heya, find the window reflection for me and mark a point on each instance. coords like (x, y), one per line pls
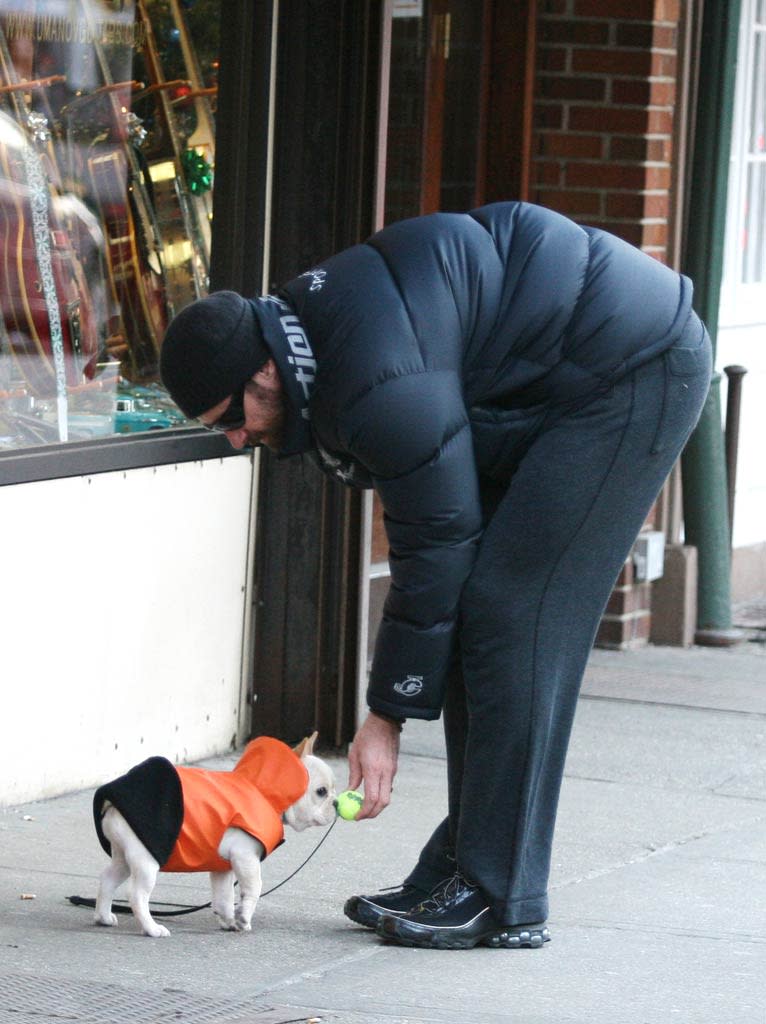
(107, 150)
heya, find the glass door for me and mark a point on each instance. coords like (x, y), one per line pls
(437, 89)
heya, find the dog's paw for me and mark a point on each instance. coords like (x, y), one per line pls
(106, 920)
(157, 931)
(242, 925)
(228, 924)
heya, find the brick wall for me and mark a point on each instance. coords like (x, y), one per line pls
(603, 121)
(602, 151)
(628, 617)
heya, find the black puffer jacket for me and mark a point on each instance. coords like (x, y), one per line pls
(427, 357)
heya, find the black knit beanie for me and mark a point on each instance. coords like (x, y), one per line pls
(210, 349)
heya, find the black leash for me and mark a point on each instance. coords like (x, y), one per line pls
(122, 906)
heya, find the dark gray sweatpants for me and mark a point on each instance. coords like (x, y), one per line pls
(555, 541)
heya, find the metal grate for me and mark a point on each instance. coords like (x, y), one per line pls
(28, 999)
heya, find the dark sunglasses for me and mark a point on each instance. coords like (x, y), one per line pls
(234, 415)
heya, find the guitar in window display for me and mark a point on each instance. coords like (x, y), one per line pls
(109, 139)
(50, 330)
(120, 193)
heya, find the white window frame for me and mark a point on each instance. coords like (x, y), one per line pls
(743, 304)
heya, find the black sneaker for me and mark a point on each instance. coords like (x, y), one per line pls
(457, 916)
(368, 910)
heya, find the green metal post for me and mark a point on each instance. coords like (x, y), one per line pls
(703, 465)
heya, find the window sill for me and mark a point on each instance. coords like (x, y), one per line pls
(110, 454)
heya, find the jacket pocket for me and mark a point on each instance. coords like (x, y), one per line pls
(501, 437)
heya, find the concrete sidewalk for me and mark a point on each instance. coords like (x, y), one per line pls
(658, 898)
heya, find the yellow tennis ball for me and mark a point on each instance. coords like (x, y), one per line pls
(349, 804)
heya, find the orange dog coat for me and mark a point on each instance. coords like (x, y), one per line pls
(181, 814)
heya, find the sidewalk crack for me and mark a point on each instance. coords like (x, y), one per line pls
(651, 851)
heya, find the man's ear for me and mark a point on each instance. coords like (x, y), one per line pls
(306, 746)
(267, 373)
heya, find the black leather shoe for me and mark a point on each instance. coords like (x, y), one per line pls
(368, 910)
(457, 916)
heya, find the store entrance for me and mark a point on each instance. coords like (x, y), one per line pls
(459, 116)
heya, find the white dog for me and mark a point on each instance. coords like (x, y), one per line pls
(159, 817)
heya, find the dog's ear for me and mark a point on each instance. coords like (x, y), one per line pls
(306, 746)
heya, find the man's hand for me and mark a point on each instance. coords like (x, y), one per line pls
(372, 759)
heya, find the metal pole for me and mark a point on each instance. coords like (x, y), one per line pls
(733, 406)
(706, 523)
(706, 520)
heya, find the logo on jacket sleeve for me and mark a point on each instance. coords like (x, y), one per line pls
(337, 467)
(317, 278)
(409, 687)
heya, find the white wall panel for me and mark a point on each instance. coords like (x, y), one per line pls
(122, 614)
(746, 346)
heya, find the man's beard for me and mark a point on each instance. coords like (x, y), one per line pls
(272, 406)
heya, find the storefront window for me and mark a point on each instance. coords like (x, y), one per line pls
(107, 151)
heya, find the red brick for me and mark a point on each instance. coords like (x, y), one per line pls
(660, 150)
(611, 61)
(625, 600)
(574, 32)
(624, 120)
(553, 7)
(547, 172)
(631, 90)
(643, 93)
(657, 206)
(667, 10)
(655, 235)
(635, 34)
(548, 115)
(664, 65)
(663, 94)
(665, 37)
(623, 632)
(552, 58)
(648, 37)
(640, 10)
(606, 175)
(658, 177)
(659, 122)
(571, 202)
(627, 147)
(568, 87)
(618, 599)
(561, 144)
(636, 205)
(625, 204)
